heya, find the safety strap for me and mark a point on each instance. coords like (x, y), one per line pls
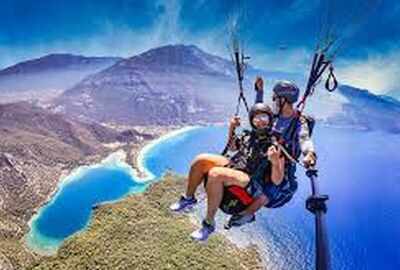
(287, 154)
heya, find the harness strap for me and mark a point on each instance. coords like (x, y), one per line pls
(287, 154)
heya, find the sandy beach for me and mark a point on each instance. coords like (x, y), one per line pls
(143, 174)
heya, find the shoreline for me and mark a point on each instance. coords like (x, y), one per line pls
(143, 174)
(119, 158)
(137, 240)
(139, 173)
(113, 159)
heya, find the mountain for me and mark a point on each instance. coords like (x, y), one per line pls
(394, 94)
(181, 84)
(363, 109)
(166, 85)
(37, 147)
(172, 84)
(48, 75)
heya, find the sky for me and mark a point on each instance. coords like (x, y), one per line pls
(278, 35)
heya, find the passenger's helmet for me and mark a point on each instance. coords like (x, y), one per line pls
(257, 109)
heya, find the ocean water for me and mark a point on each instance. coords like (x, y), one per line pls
(359, 170)
(176, 153)
(70, 209)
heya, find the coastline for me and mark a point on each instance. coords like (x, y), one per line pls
(118, 239)
(143, 174)
(119, 158)
(132, 160)
(113, 159)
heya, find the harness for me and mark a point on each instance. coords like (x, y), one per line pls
(235, 199)
(250, 158)
(250, 152)
(291, 147)
(291, 133)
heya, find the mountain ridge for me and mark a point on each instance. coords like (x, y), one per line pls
(47, 76)
(54, 60)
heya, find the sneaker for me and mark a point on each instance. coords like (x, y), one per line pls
(183, 204)
(238, 220)
(202, 234)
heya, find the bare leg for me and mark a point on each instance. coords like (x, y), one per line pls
(215, 190)
(200, 166)
(218, 177)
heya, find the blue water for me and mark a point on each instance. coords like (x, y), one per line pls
(359, 170)
(176, 153)
(70, 209)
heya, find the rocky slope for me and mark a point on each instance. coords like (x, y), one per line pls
(140, 233)
(179, 84)
(36, 148)
(363, 109)
(173, 84)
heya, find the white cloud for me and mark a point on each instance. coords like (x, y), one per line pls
(121, 40)
(168, 28)
(377, 73)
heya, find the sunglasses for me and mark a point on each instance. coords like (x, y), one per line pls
(262, 117)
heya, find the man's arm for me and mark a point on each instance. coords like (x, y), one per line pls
(306, 144)
(259, 87)
(277, 165)
(234, 123)
(277, 172)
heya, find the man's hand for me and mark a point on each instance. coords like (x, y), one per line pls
(310, 159)
(234, 123)
(259, 84)
(274, 155)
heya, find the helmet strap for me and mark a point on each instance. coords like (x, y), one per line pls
(282, 102)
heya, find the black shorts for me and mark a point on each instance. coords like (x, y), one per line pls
(277, 195)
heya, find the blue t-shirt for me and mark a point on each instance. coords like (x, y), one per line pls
(282, 125)
(302, 141)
